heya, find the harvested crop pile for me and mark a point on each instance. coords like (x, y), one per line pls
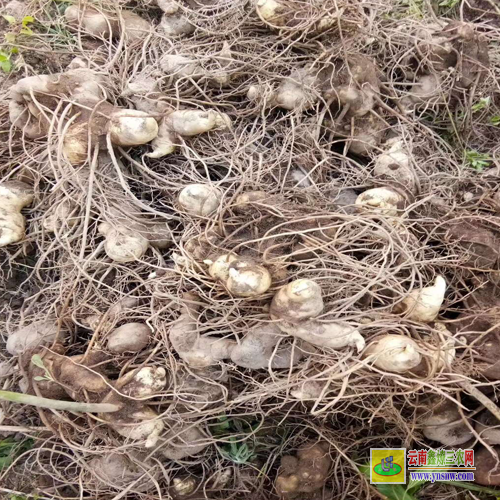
(243, 242)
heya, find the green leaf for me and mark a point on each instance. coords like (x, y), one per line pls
(6, 66)
(221, 427)
(389, 491)
(14, 50)
(482, 104)
(10, 449)
(476, 160)
(36, 359)
(26, 31)
(495, 120)
(27, 19)
(40, 379)
(10, 19)
(3, 57)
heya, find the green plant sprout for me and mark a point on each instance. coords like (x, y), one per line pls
(483, 103)
(237, 452)
(495, 120)
(56, 404)
(477, 161)
(36, 359)
(10, 449)
(449, 3)
(19, 28)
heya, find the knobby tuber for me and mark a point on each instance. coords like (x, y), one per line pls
(200, 199)
(131, 337)
(14, 196)
(102, 25)
(120, 470)
(394, 165)
(127, 240)
(174, 22)
(183, 440)
(280, 14)
(295, 305)
(60, 216)
(423, 304)
(305, 473)
(142, 382)
(33, 335)
(135, 420)
(242, 276)
(381, 201)
(394, 353)
(185, 123)
(445, 424)
(186, 66)
(196, 350)
(32, 98)
(258, 350)
(299, 91)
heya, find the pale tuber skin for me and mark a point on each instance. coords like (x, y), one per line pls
(299, 300)
(423, 304)
(174, 22)
(39, 333)
(119, 470)
(195, 350)
(135, 420)
(444, 424)
(269, 11)
(426, 91)
(185, 123)
(219, 268)
(183, 440)
(394, 165)
(280, 14)
(296, 92)
(241, 276)
(130, 127)
(127, 240)
(123, 244)
(131, 337)
(184, 66)
(258, 350)
(380, 201)
(295, 305)
(94, 22)
(14, 196)
(200, 199)
(30, 95)
(101, 25)
(143, 382)
(305, 473)
(96, 117)
(60, 217)
(394, 353)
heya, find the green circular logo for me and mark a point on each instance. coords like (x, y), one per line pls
(396, 469)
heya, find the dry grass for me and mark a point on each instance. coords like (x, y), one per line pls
(364, 264)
